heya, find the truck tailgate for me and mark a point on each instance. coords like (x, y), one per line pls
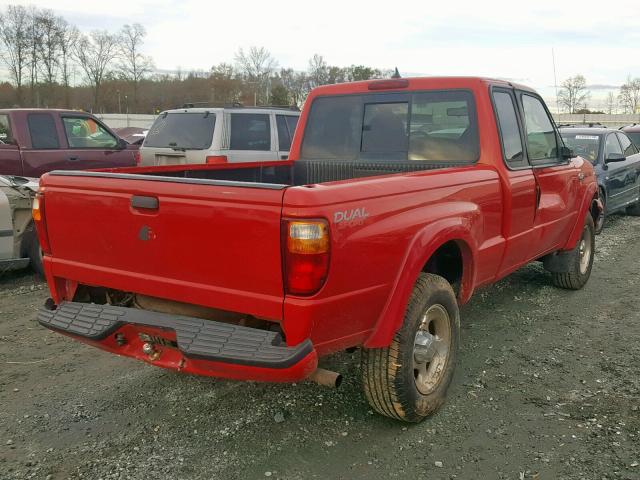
(207, 242)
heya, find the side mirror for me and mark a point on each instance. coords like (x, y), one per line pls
(566, 152)
(615, 157)
(122, 144)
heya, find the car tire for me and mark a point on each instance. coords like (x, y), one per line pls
(599, 224)
(408, 380)
(35, 257)
(581, 261)
(634, 209)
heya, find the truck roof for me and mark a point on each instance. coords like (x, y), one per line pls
(60, 110)
(416, 83)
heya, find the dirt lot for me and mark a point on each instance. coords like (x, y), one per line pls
(547, 386)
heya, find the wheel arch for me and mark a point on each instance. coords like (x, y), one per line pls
(447, 249)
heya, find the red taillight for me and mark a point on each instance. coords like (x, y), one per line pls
(306, 249)
(37, 211)
(388, 84)
(137, 157)
(216, 159)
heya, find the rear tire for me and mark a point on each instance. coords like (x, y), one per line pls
(634, 209)
(408, 380)
(581, 262)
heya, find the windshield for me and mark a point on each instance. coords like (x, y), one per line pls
(188, 131)
(635, 138)
(587, 146)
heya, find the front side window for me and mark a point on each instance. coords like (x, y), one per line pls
(42, 129)
(612, 146)
(635, 138)
(83, 132)
(587, 146)
(438, 126)
(5, 130)
(627, 147)
(509, 129)
(250, 131)
(541, 137)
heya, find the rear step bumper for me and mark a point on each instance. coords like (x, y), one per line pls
(188, 344)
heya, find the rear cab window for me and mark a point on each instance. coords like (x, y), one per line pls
(43, 132)
(250, 131)
(177, 130)
(5, 130)
(431, 127)
(509, 129)
(85, 132)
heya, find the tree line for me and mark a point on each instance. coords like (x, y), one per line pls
(50, 63)
(574, 95)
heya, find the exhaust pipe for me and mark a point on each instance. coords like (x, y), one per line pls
(326, 378)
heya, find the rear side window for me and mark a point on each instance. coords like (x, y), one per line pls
(5, 130)
(612, 145)
(189, 131)
(627, 147)
(286, 127)
(635, 138)
(542, 143)
(250, 131)
(83, 132)
(509, 129)
(42, 129)
(438, 126)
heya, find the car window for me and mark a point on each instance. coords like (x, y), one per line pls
(509, 129)
(286, 125)
(5, 130)
(628, 148)
(189, 131)
(587, 146)
(542, 143)
(250, 131)
(612, 145)
(436, 126)
(42, 129)
(635, 138)
(384, 128)
(84, 132)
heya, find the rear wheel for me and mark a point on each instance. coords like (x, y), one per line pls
(581, 260)
(408, 380)
(634, 209)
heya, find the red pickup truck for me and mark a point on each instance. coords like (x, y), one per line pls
(34, 141)
(401, 198)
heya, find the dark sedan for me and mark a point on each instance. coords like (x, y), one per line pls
(617, 164)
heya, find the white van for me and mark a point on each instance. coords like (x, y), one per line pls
(219, 135)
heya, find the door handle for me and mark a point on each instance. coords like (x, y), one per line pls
(73, 159)
(284, 157)
(147, 203)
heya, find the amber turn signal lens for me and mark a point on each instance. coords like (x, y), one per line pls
(35, 209)
(308, 237)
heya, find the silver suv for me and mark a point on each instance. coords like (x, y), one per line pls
(219, 135)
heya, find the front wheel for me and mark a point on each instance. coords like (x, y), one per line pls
(581, 260)
(408, 380)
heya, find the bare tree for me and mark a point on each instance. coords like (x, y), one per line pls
(611, 103)
(629, 97)
(35, 35)
(318, 71)
(69, 35)
(14, 37)
(573, 93)
(95, 53)
(134, 65)
(49, 45)
(257, 65)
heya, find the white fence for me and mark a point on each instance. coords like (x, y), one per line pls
(117, 120)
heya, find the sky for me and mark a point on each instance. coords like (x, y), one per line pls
(492, 38)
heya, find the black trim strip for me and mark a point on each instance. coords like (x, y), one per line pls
(153, 178)
(6, 233)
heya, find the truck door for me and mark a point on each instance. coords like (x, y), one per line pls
(91, 145)
(10, 163)
(251, 138)
(44, 152)
(519, 203)
(558, 179)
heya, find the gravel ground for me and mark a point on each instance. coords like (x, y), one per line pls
(547, 387)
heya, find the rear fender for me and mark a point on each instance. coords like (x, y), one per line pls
(423, 246)
(591, 194)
